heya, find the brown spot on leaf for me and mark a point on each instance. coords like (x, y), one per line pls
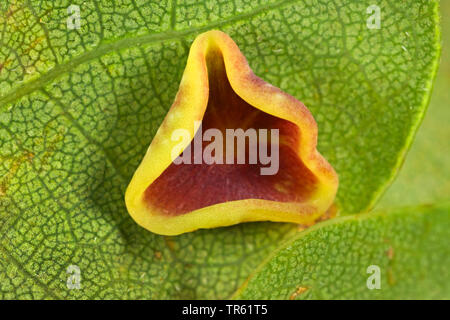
(5, 64)
(390, 253)
(298, 292)
(33, 44)
(9, 13)
(5, 181)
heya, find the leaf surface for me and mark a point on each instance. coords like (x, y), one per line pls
(78, 108)
(335, 259)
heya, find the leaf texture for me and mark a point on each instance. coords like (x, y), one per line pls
(334, 260)
(78, 107)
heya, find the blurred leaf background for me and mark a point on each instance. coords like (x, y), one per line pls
(425, 175)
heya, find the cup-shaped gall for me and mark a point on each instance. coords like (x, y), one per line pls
(231, 149)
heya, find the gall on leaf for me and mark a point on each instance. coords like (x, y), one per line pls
(178, 189)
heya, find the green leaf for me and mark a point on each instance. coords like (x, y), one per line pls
(425, 176)
(78, 108)
(331, 259)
